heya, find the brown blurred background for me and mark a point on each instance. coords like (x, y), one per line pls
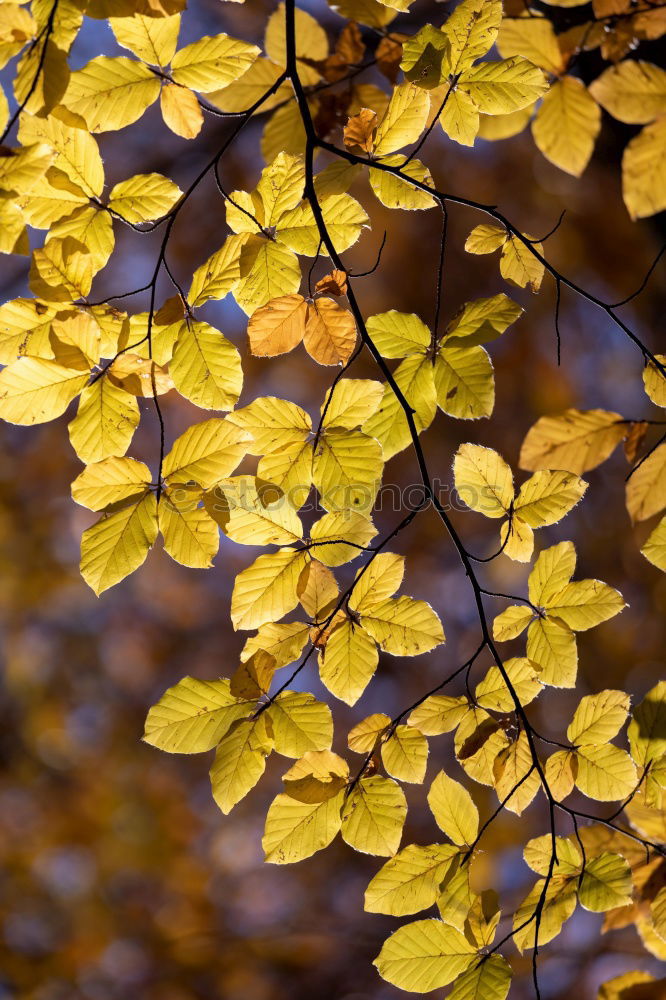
(120, 878)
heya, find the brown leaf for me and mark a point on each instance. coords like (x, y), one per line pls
(634, 440)
(360, 130)
(334, 283)
(474, 742)
(350, 44)
(330, 332)
(389, 55)
(277, 327)
(253, 678)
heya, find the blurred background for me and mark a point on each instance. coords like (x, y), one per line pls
(119, 876)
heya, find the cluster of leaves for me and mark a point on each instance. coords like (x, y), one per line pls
(60, 345)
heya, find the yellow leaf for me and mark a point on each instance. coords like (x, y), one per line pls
(489, 980)
(266, 590)
(93, 228)
(520, 543)
(206, 452)
(290, 469)
(633, 91)
(339, 535)
(283, 642)
(274, 424)
(424, 956)
(438, 714)
(606, 883)
(415, 379)
(599, 717)
(511, 770)
(646, 489)
(561, 769)
(317, 590)
(190, 534)
(622, 987)
(41, 79)
(212, 62)
(348, 662)
(409, 881)
(605, 773)
(311, 41)
(346, 470)
(343, 217)
(583, 604)
(350, 402)
(369, 12)
(110, 94)
(118, 544)
(34, 390)
(654, 381)
(566, 125)
(206, 367)
(105, 421)
(280, 188)
(494, 127)
(20, 168)
(277, 327)
(219, 275)
(144, 197)
(61, 271)
(647, 729)
(102, 484)
(576, 440)
(644, 171)
(454, 810)
(193, 715)
(455, 898)
(471, 29)
(478, 741)
(518, 264)
(250, 87)
(510, 623)
(317, 776)
(546, 497)
(395, 192)
(538, 854)
(493, 694)
(498, 88)
(560, 903)
(365, 734)
(284, 131)
(459, 117)
(403, 626)
(425, 57)
(552, 645)
(373, 816)
(658, 911)
(464, 382)
(405, 754)
(397, 335)
(300, 723)
(534, 38)
(240, 760)
(267, 270)
(484, 481)
(481, 321)
(404, 120)
(152, 39)
(485, 238)
(297, 830)
(181, 111)
(552, 571)
(330, 332)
